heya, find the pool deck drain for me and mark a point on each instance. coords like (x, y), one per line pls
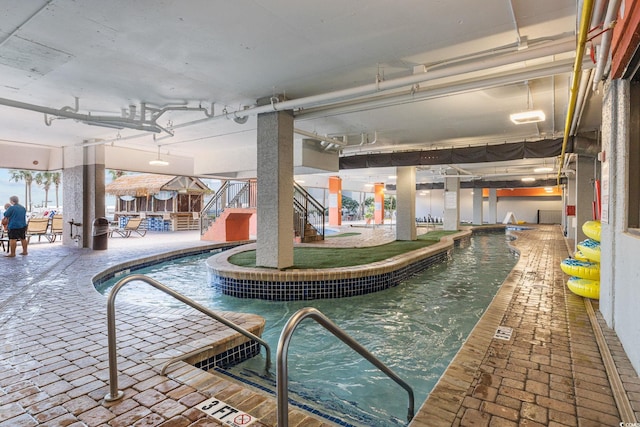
(54, 370)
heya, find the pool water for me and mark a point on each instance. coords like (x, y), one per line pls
(415, 328)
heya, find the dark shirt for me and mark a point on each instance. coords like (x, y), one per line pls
(17, 215)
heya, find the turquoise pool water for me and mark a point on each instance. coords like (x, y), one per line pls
(415, 328)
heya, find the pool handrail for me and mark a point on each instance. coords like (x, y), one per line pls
(114, 393)
(282, 380)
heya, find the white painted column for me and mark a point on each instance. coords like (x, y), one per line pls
(477, 206)
(585, 176)
(275, 190)
(406, 203)
(451, 219)
(493, 206)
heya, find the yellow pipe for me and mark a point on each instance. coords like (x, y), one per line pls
(585, 19)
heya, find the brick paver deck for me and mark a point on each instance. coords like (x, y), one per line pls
(54, 370)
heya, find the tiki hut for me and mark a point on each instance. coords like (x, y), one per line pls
(167, 202)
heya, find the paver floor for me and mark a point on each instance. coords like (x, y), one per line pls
(54, 370)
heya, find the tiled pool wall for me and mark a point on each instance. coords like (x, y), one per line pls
(130, 266)
(230, 357)
(303, 289)
(321, 289)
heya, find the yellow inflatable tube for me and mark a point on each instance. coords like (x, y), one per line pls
(584, 288)
(590, 249)
(582, 269)
(592, 230)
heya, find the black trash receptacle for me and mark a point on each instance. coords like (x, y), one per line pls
(100, 234)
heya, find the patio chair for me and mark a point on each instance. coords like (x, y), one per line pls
(56, 228)
(37, 227)
(133, 225)
(4, 238)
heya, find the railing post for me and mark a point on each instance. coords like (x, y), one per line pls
(282, 374)
(114, 393)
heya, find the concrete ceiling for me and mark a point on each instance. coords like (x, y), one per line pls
(411, 75)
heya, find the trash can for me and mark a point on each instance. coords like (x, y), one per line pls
(100, 234)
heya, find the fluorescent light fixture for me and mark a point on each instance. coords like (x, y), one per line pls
(530, 116)
(158, 161)
(548, 189)
(528, 179)
(542, 170)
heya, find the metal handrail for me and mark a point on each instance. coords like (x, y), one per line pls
(282, 380)
(114, 393)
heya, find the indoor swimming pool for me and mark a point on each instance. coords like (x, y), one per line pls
(415, 328)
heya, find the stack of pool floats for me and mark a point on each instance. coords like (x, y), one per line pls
(584, 267)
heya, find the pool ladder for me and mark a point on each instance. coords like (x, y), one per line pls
(114, 393)
(282, 381)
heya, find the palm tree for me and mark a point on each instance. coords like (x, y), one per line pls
(115, 174)
(44, 179)
(27, 177)
(56, 179)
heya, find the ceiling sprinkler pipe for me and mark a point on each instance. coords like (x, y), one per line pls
(605, 44)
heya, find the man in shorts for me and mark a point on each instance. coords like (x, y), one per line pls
(17, 225)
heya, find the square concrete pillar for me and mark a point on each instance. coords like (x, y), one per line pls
(477, 206)
(493, 206)
(275, 190)
(406, 203)
(451, 219)
(83, 191)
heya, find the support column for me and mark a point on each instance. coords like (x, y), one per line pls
(335, 200)
(477, 205)
(378, 203)
(493, 206)
(585, 176)
(274, 245)
(570, 212)
(451, 219)
(83, 192)
(406, 203)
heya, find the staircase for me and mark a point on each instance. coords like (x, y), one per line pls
(230, 214)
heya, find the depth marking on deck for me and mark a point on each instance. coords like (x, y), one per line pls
(503, 333)
(226, 414)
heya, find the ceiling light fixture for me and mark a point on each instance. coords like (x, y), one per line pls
(543, 169)
(528, 179)
(158, 161)
(529, 116)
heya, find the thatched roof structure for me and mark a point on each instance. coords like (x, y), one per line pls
(142, 185)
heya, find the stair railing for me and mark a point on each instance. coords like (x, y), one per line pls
(114, 393)
(230, 194)
(307, 210)
(282, 380)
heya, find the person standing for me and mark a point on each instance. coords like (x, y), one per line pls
(17, 225)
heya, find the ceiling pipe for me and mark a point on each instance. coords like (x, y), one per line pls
(587, 8)
(107, 121)
(319, 137)
(585, 81)
(421, 94)
(328, 99)
(547, 49)
(605, 44)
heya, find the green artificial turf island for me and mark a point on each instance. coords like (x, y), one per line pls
(314, 257)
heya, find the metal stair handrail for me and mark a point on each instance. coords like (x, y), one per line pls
(307, 211)
(114, 393)
(282, 380)
(230, 194)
